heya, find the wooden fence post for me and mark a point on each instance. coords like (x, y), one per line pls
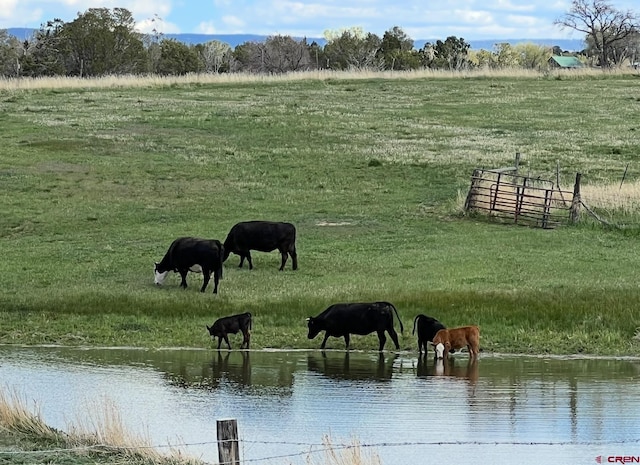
(228, 451)
(546, 210)
(575, 203)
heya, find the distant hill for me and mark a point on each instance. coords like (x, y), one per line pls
(232, 39)
(571, 45)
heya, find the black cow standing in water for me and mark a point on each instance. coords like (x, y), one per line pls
(344, 319)
(263, 236)
(192, 254)
(231, 325)
(427, 329)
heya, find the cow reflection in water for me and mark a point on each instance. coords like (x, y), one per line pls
(260, 373)
(210, 375)
(349, 367)
(238, 371)
(467, 369)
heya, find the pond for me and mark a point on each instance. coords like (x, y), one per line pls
(405, 409)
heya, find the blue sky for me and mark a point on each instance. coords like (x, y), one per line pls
(420, 19)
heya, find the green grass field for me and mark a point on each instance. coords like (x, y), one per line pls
(96, 181)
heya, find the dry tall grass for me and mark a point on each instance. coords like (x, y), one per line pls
(63, 82)
(103, 427)
(102, 430)
(16, 416)
(345, 454)
(621, 198)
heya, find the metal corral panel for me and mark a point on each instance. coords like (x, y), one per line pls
(520, 199)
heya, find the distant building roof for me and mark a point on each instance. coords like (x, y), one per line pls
(565, 62)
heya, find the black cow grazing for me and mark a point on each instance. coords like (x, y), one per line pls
(341, 320)
(427, 329)
(231, 325)
(192, 254)
(263, 236)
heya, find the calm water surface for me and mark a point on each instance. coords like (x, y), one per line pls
(500, 410)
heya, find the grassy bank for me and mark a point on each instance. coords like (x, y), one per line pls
(98, 180)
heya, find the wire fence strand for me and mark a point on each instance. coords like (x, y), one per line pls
(314, 447)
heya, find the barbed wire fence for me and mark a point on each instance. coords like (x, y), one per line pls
(310, 448)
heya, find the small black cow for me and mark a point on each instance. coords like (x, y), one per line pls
(427, 329)
(343, 319)
(231, 325)
(263, 236)
(192, 254)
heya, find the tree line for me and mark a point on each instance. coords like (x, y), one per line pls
(104, 41)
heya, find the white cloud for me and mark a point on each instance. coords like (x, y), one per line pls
(235, 24)
(7, 8)
(207, 27)
(490, 32)
(12, 15)
(507, 5)
(148, 26)
(522, 21)
(477, 18)
(161, 8)
(302, 18)
(156, 22)
(321, 10)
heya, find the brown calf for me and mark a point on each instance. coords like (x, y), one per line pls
(457, 338)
